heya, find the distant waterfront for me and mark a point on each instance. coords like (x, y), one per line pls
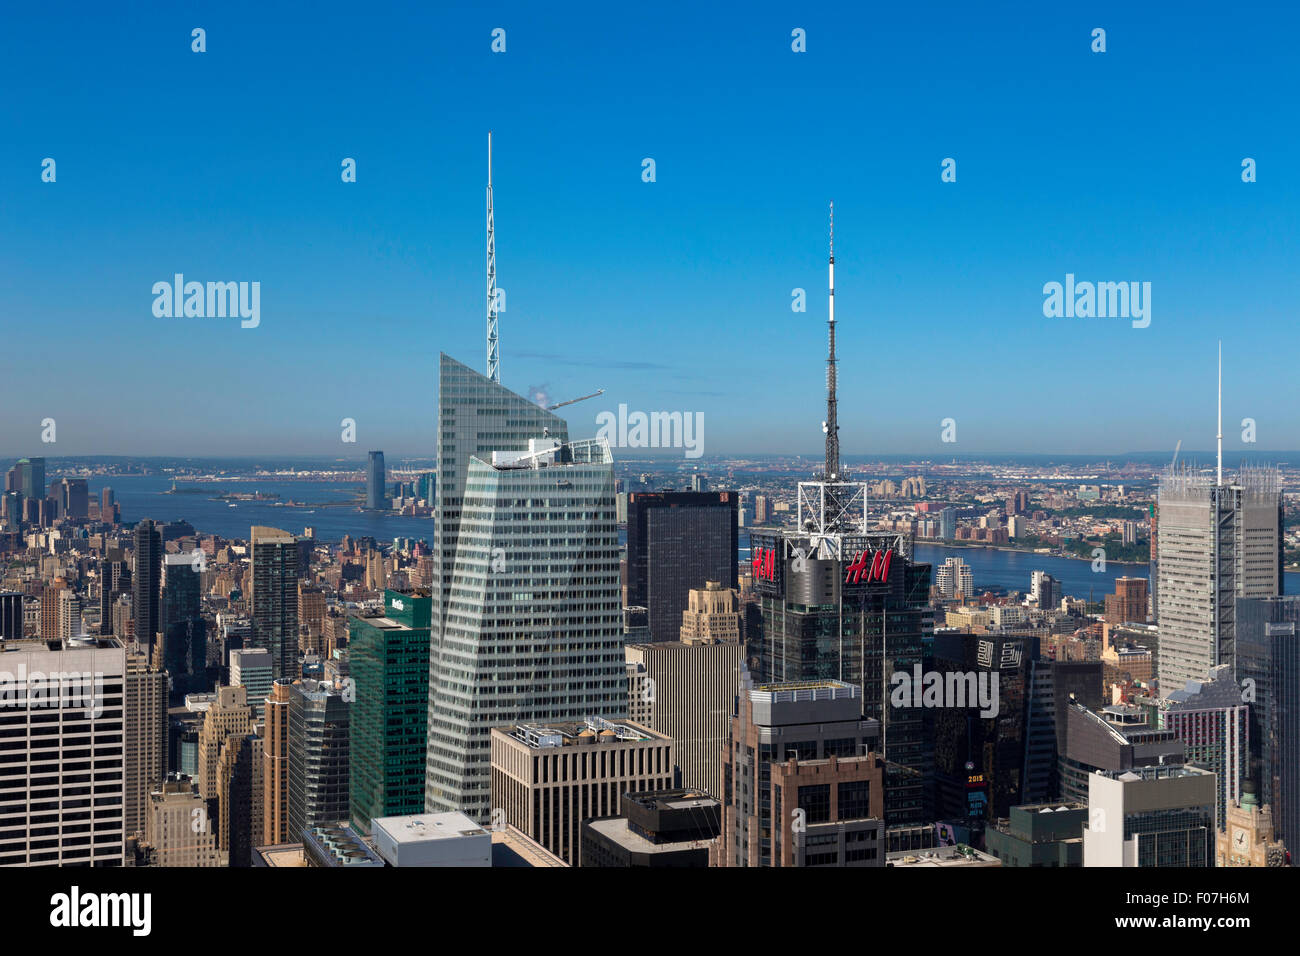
(999, 570)
(146, 497)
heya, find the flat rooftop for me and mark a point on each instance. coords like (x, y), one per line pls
(423, 827)
(594, 730)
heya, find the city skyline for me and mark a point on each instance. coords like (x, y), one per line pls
(595, 260)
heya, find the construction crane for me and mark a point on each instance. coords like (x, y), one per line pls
(599, 391)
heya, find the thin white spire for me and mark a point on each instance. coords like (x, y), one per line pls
(493, 355)
(1220, 472)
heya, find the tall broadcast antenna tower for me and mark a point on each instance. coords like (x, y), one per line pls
(493, 357)
(832, 506)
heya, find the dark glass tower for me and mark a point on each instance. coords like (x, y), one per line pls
(275, 598)
(319, 756)
(376, 474)
(1268, 673)
(389, 661)
(146, 581)
(676, 541)
(858, 619)
(185, 646)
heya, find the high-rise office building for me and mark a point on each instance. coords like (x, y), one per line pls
(229, 715)
(1114, 740)
(979, 742)
(852, 608)
(1218, 542)
(1150, 816)
(145, 729)
(107, 505)
(1052, 686)
(275, 765)
(1211, 719)
(239, 785)
(548, 778)
(1268, 673)
(178, 828)
(274, 602)
(319, 747)
(11, 615)
(114, 581)
(73, 497)
(948, 523)
(676, 541)
(180, 621)
(61, 808)
(376, 478)
(146, 582)
(803, 783)
(388, 659)
(689, 693)
(531, 627)
(252, 669)
(1129, 602)
(1045, 590)
(954, 578)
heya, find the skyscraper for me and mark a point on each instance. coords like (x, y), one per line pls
(275, 597)
(319, 748)
(954, 578)
(389, 662)
(376, 476)
(11, 615)
(1150, 816)
(690, 686)
(843, 603)
(803, 779)
(1217, 543)
(56, 783)
(1211, 719)
(114, 581)
(677, 541)
(476, 416)
(145, 719)
(532, 630)
(146, 582)
(1268, 673)
(185, 645)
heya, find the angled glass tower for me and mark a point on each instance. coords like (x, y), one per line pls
(527, 621)
(532, 623)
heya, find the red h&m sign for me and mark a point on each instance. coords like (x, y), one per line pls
(765, 563)
(869, 566)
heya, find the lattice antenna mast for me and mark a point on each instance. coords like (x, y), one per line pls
(493, 356)
(831, 426)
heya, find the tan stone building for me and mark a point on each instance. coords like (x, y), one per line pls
(548, 778)
(710, 616)
(275, 765)
(1248, 838)
(229, 715)
(178, 828)
(145, 738)
(687, 691)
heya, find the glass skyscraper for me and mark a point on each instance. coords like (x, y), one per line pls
(1216, 543)
(376, 476)
(389, 663)
(526, 605)
(275, 598)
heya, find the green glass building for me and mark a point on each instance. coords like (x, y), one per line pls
(389, 662)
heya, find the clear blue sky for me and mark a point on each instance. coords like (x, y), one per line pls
(673, 295)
